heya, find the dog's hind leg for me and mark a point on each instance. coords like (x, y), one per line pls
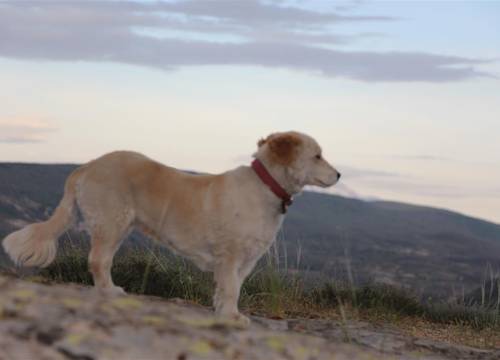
(104, 244)
(108, 226)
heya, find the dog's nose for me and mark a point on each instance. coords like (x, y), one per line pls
(338, 175)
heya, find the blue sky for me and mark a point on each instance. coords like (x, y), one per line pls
(403, 96)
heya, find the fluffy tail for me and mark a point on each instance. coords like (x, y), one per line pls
(36, 244)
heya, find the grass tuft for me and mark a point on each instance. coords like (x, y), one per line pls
(269, 291)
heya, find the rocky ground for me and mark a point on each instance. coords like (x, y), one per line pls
(70, 322)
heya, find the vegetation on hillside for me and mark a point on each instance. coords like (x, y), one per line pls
(277, 293)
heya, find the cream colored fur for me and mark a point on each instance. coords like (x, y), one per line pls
(223, 223)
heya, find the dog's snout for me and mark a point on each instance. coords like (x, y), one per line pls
(338, 176)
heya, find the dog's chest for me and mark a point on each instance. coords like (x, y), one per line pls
(258, 235)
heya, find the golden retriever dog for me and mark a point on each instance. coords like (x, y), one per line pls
(223, 223)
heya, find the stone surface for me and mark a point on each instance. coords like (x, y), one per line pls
(71, 322)
(384, 340)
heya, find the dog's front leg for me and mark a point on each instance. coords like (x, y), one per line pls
(227, 293)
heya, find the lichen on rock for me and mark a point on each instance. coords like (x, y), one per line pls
(74, 322)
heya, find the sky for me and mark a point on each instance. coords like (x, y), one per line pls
(403, 96)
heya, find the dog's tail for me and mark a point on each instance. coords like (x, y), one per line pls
(36, 244)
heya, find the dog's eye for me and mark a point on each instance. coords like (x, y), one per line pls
(318, 157)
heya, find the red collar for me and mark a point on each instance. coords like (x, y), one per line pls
(263, 174)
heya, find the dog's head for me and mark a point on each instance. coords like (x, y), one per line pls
(300, 156)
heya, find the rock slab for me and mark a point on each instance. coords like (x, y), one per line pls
(73, 322)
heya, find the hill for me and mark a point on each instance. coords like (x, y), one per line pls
(434, 252)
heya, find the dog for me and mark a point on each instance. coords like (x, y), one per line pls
(223, 223)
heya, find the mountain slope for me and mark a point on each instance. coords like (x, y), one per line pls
(430, 250)
(433, 251)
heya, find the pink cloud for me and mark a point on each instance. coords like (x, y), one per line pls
(24, 130)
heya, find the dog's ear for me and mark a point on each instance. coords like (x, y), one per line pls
(284, 147)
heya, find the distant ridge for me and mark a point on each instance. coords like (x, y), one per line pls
(435, 252)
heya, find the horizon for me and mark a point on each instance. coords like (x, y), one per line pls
(404, 98)
(310, 189)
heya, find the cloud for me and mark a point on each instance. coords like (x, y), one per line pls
(341, 189)
(442, 159)
(412, 157)
(425, 157)
(354, 178)
(422, 157)
(435, 190)
(351, 176)
(18, 131)
(410, 186)
(349, 172)
(169, 35)
(260, 13)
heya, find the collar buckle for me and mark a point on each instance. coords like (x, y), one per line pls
(285, 204)
(274, 186)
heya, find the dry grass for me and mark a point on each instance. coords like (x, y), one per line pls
(272, 293)
(486, 338)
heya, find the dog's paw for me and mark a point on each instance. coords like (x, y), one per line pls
(237, 320)
(111, 291)
(241, 319)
